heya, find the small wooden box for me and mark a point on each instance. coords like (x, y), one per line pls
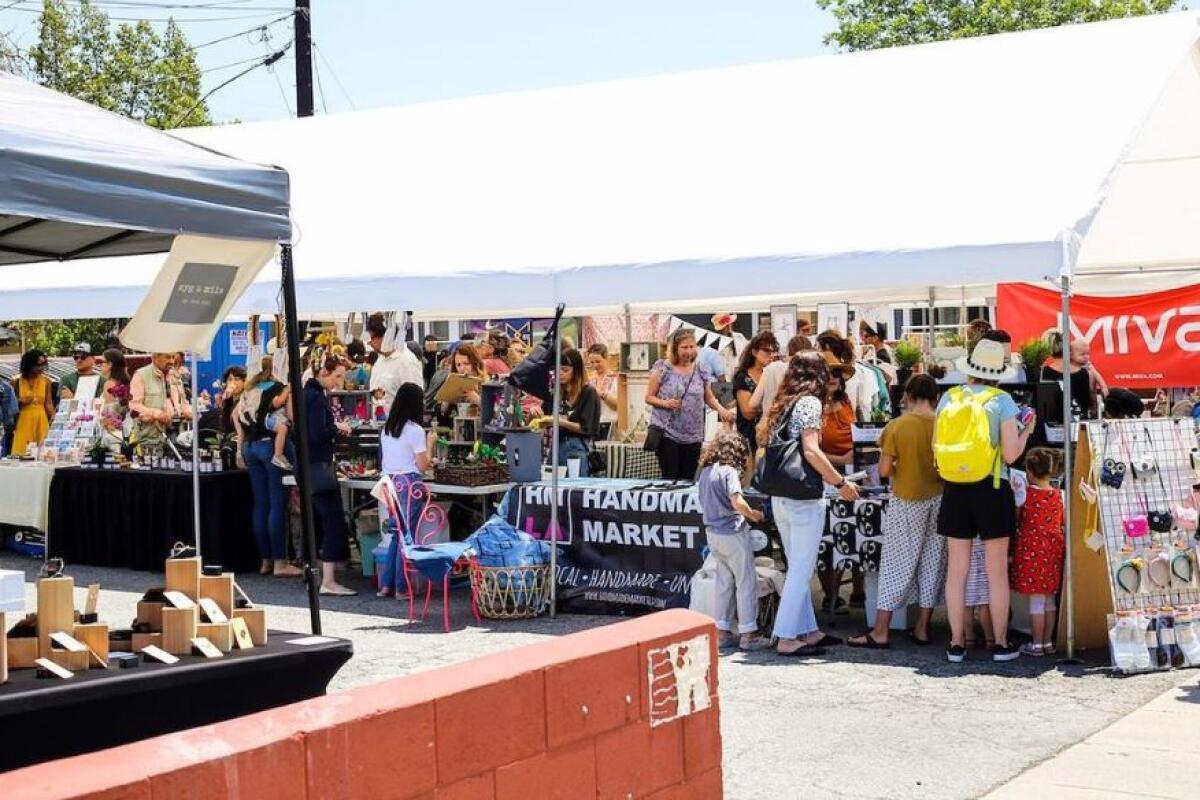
(141, 640)
(220, 589)
(74, 661)
(150, 613)
(256, 621)
(22, 652)
(95, 636)
(183, 575)
(179, 628)
(56, 609)
(219, 633)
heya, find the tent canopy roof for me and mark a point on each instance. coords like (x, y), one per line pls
(77, 181)
(952, 163)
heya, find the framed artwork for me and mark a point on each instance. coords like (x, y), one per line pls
(638, 356)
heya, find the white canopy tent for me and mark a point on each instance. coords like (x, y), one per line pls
(888, 172)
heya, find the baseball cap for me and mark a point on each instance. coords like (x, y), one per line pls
(83, 348)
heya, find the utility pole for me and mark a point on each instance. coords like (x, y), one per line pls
(304, 72)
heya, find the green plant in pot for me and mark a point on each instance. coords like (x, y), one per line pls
(1034, 353)
(224, 446)
(908, 356)
(98, 451)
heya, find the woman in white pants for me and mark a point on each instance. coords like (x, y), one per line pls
(799, 405)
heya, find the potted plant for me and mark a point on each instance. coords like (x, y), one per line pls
(224, 446)
(908, 356)
(98, 452)
(1034, 353)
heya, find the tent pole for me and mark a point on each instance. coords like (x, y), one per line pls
(303, 465)
(196, 455)
(1068, 448)
(554, 475)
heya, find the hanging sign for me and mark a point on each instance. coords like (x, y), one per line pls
(1142, 341)
(195, 289)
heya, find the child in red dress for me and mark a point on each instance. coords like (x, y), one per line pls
(1037, 563)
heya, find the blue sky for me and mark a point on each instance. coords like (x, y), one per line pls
(386, 52)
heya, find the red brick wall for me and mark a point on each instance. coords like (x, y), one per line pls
(564, 718)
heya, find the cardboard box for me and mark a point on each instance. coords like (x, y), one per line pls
(219, 633)
(183, 575)
(179, 628)
(256, 621)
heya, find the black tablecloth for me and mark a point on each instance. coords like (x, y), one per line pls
(48, 718)
(127, 518)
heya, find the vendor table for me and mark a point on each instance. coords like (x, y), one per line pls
(131, 518)
(24, 493)
(483, 493)
(49, 718)
(631, 547)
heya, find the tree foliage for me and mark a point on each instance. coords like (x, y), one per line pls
(871, 24)
(57, 337)
(131, 68)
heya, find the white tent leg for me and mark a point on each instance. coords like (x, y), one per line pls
(1068, 445)
(554, 476)
(196, 457)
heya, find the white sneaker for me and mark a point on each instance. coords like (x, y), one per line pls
(282, 463)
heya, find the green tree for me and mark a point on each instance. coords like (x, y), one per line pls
(57, 337)
(871, 24)
(131, 69)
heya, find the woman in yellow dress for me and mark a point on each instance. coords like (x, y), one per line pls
(35, 402)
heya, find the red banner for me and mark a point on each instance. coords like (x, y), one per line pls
(1142, 341)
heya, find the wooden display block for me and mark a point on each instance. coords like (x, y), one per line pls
(151, 614)
(219, 633)
(22, 652)
(219, 588)
(56, 609)
(95, 636)
(73, 660)
(183, 575)
(3, 650)
(143, 640)
(179, 628)
(256, 621)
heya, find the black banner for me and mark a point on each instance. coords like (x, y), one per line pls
(625, 549)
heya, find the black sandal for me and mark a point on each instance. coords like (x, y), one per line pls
(826, 641)
(807, 650)
(868, 643)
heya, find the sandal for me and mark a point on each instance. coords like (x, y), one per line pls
(867, 642)
(826, 641)
(918, 640)
(807, 650)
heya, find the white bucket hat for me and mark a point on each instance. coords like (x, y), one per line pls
(989, 361)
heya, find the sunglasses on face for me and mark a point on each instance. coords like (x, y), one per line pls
(80, 357)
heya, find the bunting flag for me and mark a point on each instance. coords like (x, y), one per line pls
(705, 337)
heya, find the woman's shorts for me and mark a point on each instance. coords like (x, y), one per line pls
(978, 509)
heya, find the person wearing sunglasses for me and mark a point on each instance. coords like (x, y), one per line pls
(85, 367)
(34, 400)
(762, 350)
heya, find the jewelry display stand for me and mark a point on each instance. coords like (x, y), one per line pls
(1141, 474)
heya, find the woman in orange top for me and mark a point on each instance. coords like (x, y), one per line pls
(837, 443)
(35, 402)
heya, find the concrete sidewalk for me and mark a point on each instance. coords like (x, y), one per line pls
(1150, 753)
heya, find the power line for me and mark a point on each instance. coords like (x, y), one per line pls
(320, 89)
(38, 10)
(321, 55)
(266, 62)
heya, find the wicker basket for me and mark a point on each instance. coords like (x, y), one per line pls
(511, 592)
(471, 474)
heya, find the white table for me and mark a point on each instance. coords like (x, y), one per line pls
(484, 493)
(25, 493)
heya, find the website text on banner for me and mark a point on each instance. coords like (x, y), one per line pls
(1142, 341)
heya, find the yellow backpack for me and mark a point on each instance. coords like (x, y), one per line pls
(962, 438)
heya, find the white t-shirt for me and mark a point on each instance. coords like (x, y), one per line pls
(393, 370)
(400, 452)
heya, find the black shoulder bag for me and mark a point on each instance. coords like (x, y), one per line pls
(783, 470)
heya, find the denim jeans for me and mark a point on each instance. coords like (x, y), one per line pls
(269, 514)
(800, 523)
(573, 447)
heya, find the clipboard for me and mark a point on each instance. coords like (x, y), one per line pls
(455, 386)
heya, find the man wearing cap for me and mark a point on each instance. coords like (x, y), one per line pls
(85, 367)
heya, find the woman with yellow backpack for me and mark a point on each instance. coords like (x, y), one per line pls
(976, 437)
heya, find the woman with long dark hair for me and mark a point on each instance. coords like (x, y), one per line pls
(326, 494)
(761, 351)
(798, 408)
(579, 417)
(34, 400)
(405, 455)
(678, 392)
(114, 395)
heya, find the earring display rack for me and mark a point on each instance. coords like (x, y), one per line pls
(1141, 477)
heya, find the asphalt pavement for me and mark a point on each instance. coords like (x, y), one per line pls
(900, 723)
